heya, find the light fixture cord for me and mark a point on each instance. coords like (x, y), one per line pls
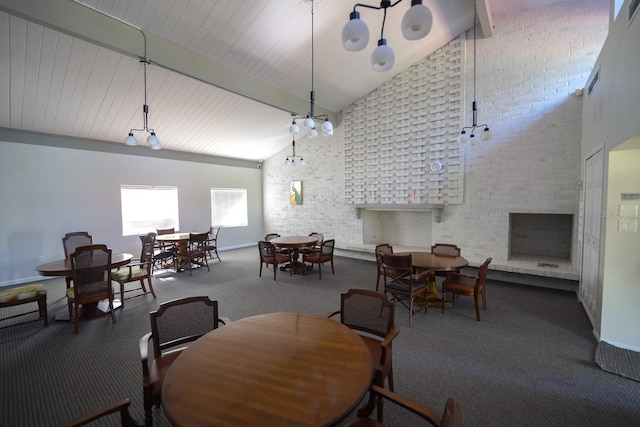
(313, 95)
(474, 106)
(145, 108)
(384, 19)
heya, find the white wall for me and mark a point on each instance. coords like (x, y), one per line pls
(527, 74)
(622, 263)
(610, 116)
(49, 191)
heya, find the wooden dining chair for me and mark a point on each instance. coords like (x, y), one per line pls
(91, 277)
(270, 256)
(212, 243)
(164, 253)
(403, 285)
(174, 325)
(461, 284)
(194, 253)
(138, 270)
(445, 249)
(106, 413)
(380, 249)
(451, 416)
(269, 237)
(316, 247)
(371, 315)
(322, 255)
(71, 241)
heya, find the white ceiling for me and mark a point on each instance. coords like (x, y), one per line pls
(54, 80)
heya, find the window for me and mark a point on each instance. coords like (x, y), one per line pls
(146, 208)
(229, 207)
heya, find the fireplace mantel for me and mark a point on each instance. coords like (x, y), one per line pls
(435, 208)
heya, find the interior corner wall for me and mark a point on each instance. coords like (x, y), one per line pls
(527, 74)
(49, 191)
(622, 265)
(610, 117)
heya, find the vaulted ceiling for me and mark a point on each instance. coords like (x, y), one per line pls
(224, 76)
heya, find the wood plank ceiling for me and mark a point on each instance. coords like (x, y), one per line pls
(56, 81)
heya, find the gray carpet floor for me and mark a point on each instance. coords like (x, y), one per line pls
(529, 362)
(618, 360)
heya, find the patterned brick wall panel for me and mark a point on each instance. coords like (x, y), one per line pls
(394, 134)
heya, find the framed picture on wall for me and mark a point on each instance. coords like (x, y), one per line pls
(295, 193)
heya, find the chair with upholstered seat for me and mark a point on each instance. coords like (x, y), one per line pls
(91, 277)
(451, 417)
(194, 253)
(403, 285)
(371, 315)
(174, 325)
(322, 255)
(106, 413)
(380, 249)
(137, 270)
(461, 284)
(270, 256)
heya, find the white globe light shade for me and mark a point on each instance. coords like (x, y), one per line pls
(131, 140)
(327, 128)
(486, 134)
(417, 21)
(382, 58)
(294, 129)
(355, 34)
(463, 138)
(313, 133)
(308, 122)
(154, 142)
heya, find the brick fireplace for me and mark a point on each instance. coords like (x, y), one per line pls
(534, 234)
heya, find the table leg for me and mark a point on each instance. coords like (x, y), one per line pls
(89, 311)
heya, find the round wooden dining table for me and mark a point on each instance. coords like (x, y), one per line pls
(62, 267)
(295, 243)
(435, 262)
(173, 238)
(278, 369)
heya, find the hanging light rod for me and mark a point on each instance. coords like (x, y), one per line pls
(294, 160)
(486, 133)
(152, 139)
(416, 24)
(311, 119)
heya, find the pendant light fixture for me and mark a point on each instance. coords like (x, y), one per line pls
(311, 119)
(416, 24)
(486, 133)
(152, 139)
(294, 160)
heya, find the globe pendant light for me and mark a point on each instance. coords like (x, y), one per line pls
(486, 133)
(416, 24)
(311, 119)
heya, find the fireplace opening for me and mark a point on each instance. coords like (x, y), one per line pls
(548, 235)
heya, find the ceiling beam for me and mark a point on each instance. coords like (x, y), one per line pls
(485, 18)
(98, 28)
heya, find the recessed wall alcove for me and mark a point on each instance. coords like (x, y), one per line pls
(403, 228)
(534, 234)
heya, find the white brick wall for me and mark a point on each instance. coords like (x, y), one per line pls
(527, 74)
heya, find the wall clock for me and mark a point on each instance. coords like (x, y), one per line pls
(436, 166)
